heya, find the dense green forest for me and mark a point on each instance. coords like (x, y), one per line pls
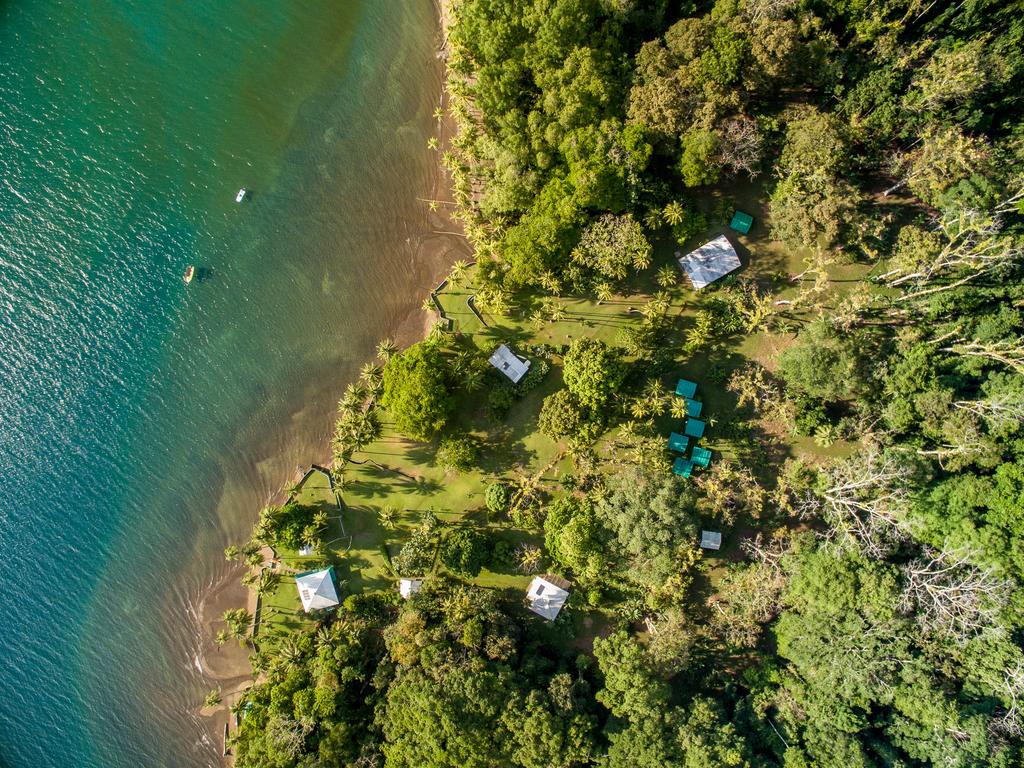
(874, 615)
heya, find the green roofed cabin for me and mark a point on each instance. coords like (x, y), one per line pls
(741, 222)
(686, 388)
(683, 467)
(677, 442)
(693, 407)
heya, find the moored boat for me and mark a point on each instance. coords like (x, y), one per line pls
(241, 195)
(189, 274)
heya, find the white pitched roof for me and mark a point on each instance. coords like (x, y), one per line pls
(546, 599)
(506, 361)
(409, 587)
(710, 262)
(316, 590)
(711, 539)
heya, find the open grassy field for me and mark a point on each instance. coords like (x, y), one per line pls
(399, 474)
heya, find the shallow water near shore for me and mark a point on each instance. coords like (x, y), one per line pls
(143, 422)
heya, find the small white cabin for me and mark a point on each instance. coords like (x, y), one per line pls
(710, 262)
(509, 363)
(547, 595)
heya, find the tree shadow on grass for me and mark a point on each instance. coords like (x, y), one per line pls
(369, 489)
(506, 451)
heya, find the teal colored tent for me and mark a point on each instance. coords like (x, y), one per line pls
(693, 407)
(741, 222)
(694, 428)
(682, 467)
(686, 388)
(677, 442)
(701, 456)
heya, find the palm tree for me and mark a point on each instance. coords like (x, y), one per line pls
(352, 398)
(231, 552)
(674, 212)
(678, 408)
(438, 113)
(432, 142)
(388, 516)
(428, 304)
(641, 260)
(459, 271)
(254, 559)
(369, 374)
(667, 276)
(320, 519)
(268, 581)
(212, 699)
(473, 378)
(311, 537)
(439, 333)
(654, 395)
(604, 291)
(386, 348)
(553, 308)
(222, 637)
(653, 219)
(550, 282)
(529, 558)
(289, 653)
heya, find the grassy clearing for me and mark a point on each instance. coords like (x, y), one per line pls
(401, 474)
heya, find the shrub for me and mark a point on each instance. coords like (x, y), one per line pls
(560, 415)
(539, 368)
(457, 453)
(502, 556)
(416, 555)
(499, 400)
(592, 371)
(373, 606)
(464, 551)
(416, 392)
(497, 497)
(810, 415)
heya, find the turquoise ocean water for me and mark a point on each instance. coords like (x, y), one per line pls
(142, 422)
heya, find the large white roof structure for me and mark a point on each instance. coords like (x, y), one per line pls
(317, 590)
(547, 596)
(509, 363)
(409, 587)
(710, 262)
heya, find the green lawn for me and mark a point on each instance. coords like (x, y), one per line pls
(400, 473)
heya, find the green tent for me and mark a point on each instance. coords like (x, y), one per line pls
(677, 442)
(686, 388)
(682, 467)
(701, 456)
(741, 222)
(694, 428)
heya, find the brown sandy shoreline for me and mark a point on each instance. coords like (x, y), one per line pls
(226, 668)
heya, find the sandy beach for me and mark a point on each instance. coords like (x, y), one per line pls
(226, 668)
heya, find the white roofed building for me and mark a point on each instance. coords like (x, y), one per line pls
(409, 587)
(509, 363)
(711, 539)
(547, 594)
(317, 590)
(710, 262)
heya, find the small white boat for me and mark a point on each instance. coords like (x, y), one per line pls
(241, 195)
